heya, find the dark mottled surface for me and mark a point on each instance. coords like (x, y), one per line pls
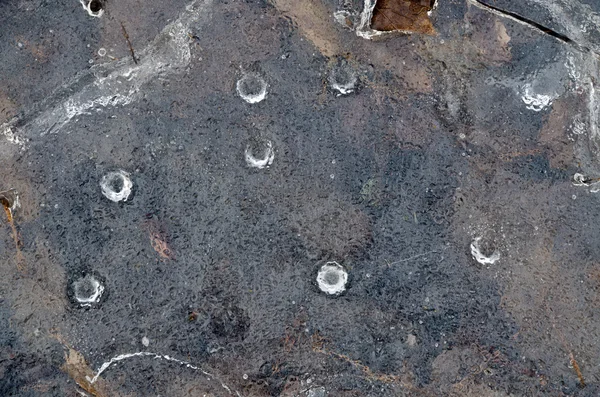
(214, 263)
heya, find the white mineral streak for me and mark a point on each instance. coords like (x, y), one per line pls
(118, 83)
(364, 25)
(126, 356)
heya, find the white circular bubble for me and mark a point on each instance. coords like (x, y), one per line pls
(116, 186)
(343, 79)
(480, 257)
(251, 88)
(332, 278)
(94, 8)
(265, 159)
(87, 290)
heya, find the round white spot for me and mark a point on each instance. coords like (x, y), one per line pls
(343, 79)
(332, 278)
(480, 257)
(145, 341)
(87, 290)
(262, 160)
(102, 52)
(116, 186)
(251, 88)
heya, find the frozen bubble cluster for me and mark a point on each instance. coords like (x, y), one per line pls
(87, 291)
(582, 180)
(477, 254)
(332, 278)
(534, 101)
(116, 186)
(317, 392)
(251, 88)
(343, 78)
(259, 154)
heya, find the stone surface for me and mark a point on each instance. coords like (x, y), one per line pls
(209, 268)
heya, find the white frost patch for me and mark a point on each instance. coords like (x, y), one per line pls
(126, 356)
(87, 6)
(479, 257)
(251, 88)
(87, 291)
(7, 131)
(533, 101)
(364, 26)
(260, 162)
(73, 108)
(332, 278)
(116, 177)
(342, 17)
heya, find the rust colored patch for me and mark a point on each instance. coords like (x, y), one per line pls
(403, 15)
(314, 21)
(6, 199)
(577, 370)
(158, 239)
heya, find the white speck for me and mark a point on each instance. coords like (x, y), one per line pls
(116, 178)
(333, 161)
(479, 257)
(332, 176)
(332, 278)
(102, 52)
(573, 197)
(251, 88)
(145, 341)
(245, 376)
(266, 158)
(20, 45)
(87, 290)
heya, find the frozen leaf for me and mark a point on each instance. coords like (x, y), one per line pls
(403, 15)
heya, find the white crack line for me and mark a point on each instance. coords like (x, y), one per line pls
(122, 357)
(114, 84)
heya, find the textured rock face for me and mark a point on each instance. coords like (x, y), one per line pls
(453, 176)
